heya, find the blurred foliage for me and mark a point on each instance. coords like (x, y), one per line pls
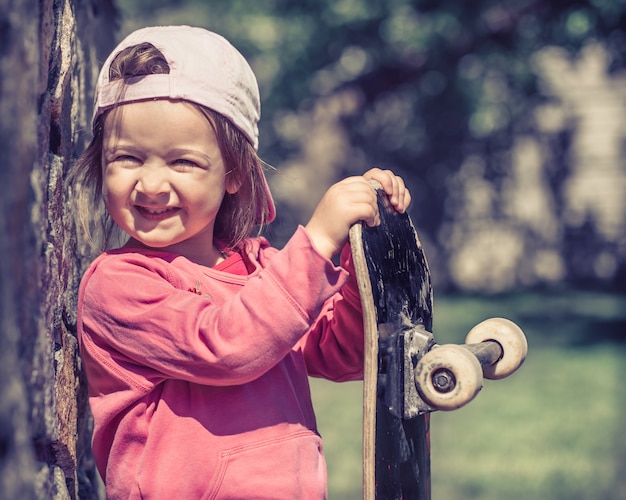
(437, 82)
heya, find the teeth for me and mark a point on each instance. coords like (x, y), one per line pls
(160, 211)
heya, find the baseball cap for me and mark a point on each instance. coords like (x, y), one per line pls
(205, 69)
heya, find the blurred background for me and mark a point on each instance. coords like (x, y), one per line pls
(507, 121)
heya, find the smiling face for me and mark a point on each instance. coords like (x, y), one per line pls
(164, 177)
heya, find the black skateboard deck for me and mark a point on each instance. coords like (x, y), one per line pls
(396, 294)
(406, 377)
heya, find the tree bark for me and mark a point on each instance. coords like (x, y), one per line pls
(49, 52)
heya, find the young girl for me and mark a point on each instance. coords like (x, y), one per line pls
(198, 339)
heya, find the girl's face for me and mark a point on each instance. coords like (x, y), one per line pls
(164, 177)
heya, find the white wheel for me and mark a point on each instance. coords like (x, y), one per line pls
(448, 377)
(510, 337)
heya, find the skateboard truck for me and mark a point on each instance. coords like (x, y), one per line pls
(450, 376)
(418, 376)
(399, 353)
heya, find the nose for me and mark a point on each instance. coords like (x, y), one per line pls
(153, 181)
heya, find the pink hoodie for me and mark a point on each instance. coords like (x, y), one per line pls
(198, 379)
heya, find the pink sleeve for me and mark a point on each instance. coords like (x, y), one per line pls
(334, 347)
(134, 319)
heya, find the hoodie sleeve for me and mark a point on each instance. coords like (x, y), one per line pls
(334, 347)
(136, 319)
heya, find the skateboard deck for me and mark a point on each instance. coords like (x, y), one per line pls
(407, 375)
(396, 294)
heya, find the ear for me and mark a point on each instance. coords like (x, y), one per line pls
(232, 183)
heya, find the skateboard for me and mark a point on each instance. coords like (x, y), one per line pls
(407, 375)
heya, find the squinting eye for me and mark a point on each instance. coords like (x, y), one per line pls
(124, 160)
(184, 165)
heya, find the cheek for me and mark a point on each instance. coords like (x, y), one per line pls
(205, 191)
(112, 192)
(210, 201)
(106, 192)
(106, 198)
(109, 203)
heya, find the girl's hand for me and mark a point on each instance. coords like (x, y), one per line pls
(394, 188)
(349, 201)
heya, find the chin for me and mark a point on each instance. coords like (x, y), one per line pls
(152, 242)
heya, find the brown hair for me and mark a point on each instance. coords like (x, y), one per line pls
(239, 213)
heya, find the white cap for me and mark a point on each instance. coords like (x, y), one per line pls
(204, 69)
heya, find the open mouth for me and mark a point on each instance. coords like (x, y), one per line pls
(156, 213)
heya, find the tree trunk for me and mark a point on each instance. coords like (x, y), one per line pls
(49, 51)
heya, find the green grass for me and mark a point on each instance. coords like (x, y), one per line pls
(550, 431)
(556, 429)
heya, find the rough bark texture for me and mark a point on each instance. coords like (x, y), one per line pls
(49, 52)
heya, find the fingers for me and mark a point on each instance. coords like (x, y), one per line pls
(345, 203)
(358, 202)
(393, 186)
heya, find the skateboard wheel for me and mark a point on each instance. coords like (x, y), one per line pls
(448, 377)
(510, 337)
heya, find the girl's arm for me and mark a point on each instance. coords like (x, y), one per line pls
(137, 316)
(334, 346)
